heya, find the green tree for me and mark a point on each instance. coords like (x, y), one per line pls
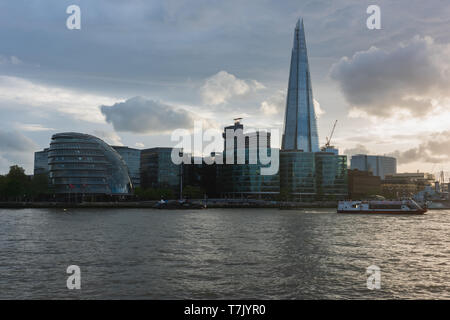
(17, 183)
(39, 186)
(3, 188)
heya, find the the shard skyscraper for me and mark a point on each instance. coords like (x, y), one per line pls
(300, 125)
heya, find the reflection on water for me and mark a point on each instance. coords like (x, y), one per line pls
(222, 253)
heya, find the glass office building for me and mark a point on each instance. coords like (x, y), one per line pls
(84, 164)
(300, 124)
(297, 174)
(331, 176)
(158, 170)
(379, 166)
(244, 180)
(41, 162)
(309, 176)
(132, 158)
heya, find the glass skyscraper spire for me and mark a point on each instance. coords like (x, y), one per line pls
(300, 125)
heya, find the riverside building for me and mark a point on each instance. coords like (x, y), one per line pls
(242, 178)
(132, 158)
(82, 165)
(380, 166)
(158, 170)
(41, 162)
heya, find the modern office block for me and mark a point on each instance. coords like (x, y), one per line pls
(158, 170)
(380, 166)
(41, 162)
(242, 177)
(132, 158)
(307, 176)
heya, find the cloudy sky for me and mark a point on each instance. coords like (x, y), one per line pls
(139, 69)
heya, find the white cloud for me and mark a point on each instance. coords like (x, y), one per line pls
(81, 106)
(141, 115)
(410, 80)
(318, 110)
(32, 127)
(139, 145)
(10, 60)
(275, 104)
(434, 150)
(110, 137)
(222, 86)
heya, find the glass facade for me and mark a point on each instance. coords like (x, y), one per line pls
(331, 176)
(158, 170)
(245, 180)
(236, 180)
(379, 166)
(313, 175)
(297, 174)
(81, 163)
(132, 158)
(41, 162)
(300, 124)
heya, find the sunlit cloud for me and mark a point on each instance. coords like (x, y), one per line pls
(79, 105)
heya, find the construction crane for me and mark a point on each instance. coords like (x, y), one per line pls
(328, 140)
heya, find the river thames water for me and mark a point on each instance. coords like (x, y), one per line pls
(222, 254)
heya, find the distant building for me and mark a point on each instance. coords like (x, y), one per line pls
(242, 178)
(158, 170)
(83, 164)
(380, 166)
(201, 175)
(406, 184)
(41, 162)
(132, 158)
(362, 184)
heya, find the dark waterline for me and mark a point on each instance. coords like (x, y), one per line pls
(222, 254)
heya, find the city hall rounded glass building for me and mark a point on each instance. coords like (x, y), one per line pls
(83, 164)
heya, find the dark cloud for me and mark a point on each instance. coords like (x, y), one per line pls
(15, 148)
(140, 115)
(358, 149)
(434, 150)
(159, 44)
(13, 141)
(406, 78)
